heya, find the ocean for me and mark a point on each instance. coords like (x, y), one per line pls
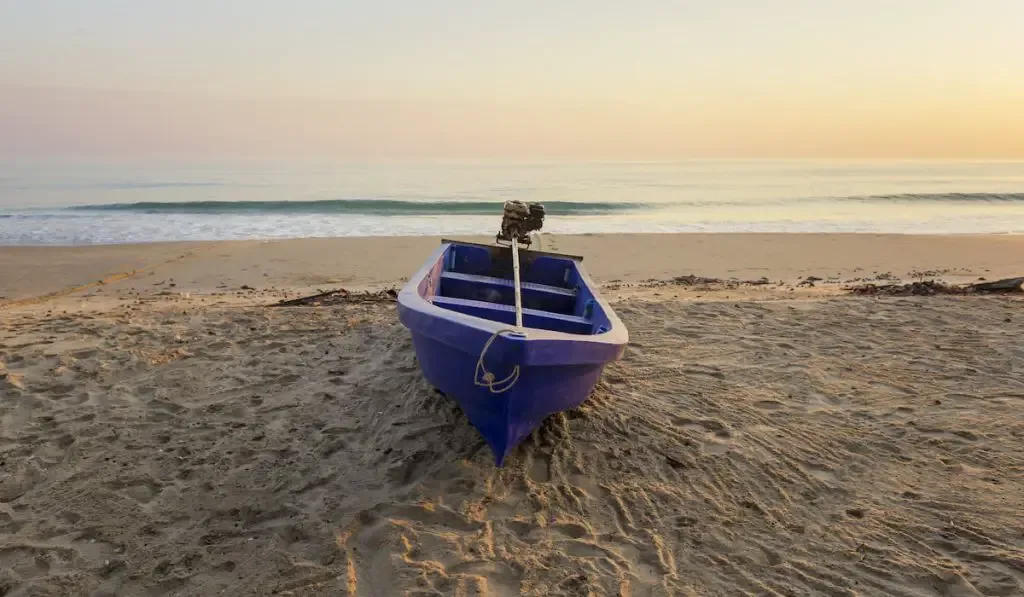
(146, 201)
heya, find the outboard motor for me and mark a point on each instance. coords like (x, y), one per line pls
(519, 220)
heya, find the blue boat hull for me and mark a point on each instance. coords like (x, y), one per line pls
(508, 380)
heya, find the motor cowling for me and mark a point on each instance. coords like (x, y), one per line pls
(519, 219)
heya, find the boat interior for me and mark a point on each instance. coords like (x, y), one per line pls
(477, 280)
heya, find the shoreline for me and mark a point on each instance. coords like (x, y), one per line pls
(307, 264)
(1010, 233)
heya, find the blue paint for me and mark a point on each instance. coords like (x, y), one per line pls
(462, 297)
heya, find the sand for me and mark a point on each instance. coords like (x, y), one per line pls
(306, 264)
(765, 440)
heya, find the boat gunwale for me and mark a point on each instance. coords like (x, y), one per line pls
(410, 298)
(521, 251)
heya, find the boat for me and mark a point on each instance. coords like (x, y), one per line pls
(512, 335)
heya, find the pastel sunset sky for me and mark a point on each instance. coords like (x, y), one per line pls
(645, 79)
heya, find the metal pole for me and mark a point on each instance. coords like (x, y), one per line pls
(515, 279)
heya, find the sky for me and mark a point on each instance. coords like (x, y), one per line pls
(645, 79)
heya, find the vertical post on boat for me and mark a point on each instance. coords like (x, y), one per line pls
(515, 281)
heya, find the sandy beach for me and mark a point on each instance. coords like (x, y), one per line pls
(164, 430)
(300, 265)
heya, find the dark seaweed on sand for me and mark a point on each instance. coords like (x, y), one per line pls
(340, 296)
(938, 287)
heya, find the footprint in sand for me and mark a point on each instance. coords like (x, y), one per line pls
(8, 525)
(819, 472)
(140, 490)
(27, 563)
(717, 436)
(539, 468)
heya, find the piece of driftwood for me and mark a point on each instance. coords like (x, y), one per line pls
(340, 296)
(1004, 285)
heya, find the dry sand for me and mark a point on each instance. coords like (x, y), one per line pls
(781, 441)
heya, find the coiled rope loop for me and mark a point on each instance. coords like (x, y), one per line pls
(484, 378)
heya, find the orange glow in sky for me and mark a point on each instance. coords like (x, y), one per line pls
(455, 78)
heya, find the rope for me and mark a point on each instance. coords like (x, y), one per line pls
(488, 377)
